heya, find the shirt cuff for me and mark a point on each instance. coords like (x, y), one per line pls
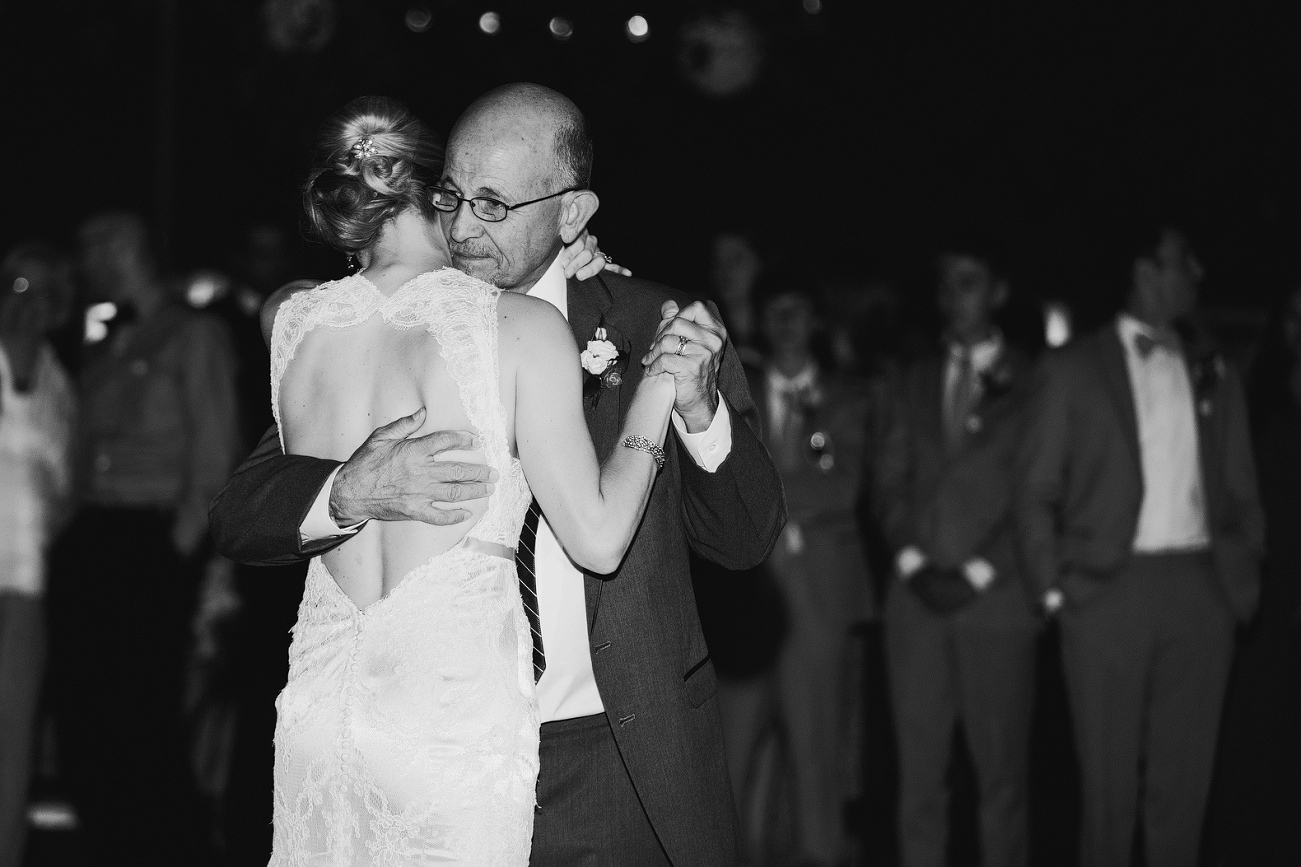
(980, 572)
(710, 447)
(910, 559)
(318, 524)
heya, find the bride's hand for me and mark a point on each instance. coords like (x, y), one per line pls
(584, 260)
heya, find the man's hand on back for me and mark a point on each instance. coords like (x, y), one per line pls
(689, 345)
(394, 476)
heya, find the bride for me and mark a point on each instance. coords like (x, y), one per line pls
(408, 730)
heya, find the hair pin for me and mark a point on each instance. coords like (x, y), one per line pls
(365, 147)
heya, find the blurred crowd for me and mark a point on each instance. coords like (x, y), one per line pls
(977, 508)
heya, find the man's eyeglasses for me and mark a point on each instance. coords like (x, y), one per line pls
(486, 209)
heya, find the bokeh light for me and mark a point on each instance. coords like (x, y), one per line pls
(419, 18)
(490, 22)
(637, 28)
(561, 28)
(813, 7)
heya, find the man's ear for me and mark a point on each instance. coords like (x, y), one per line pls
(576, 209)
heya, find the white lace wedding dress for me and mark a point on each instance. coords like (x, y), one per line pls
(408, 731)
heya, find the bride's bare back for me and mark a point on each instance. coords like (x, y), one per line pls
(346, 381)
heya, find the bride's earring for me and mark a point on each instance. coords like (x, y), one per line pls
(352, 263)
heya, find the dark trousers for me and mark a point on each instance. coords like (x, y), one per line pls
(22, 663)
(121, 600)
(946, 669)
(1146, 665)
(588, 813)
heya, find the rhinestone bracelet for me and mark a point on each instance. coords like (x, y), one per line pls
(642, 444)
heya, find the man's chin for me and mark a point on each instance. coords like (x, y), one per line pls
(479, 267)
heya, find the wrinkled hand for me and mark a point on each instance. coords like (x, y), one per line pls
(394, 476)
(583, 259)
(693, 363)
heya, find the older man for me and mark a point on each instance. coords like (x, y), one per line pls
(632, 761)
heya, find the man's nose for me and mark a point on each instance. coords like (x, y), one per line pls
(462, 223)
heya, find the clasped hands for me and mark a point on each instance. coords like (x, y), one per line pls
(397, 476)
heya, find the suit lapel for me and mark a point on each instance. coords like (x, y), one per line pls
(1110, 356)
(931, 385)
(589, 303)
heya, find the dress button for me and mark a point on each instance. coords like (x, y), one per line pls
(713, 447)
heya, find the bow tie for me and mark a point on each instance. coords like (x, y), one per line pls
(1145, 343)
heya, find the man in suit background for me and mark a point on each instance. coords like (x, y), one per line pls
(816, 426)
(1139, 519)
(633, 771)
(959, 625)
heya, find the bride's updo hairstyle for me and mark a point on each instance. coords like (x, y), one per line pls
(373, 160)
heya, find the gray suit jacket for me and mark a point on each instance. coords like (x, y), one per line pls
(956, 506)
(1081, 481)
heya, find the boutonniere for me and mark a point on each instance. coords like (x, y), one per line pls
(1207, 371)
(997, 380)
(603, 362)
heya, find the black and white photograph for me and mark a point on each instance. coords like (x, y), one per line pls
(649, 433)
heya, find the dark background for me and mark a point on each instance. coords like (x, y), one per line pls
(869, 132)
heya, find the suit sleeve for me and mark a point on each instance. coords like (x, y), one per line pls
(256, 516)
(734, 515)
(1040, 474)
(1240, 470)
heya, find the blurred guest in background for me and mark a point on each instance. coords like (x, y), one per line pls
(960, 627)
(735, 266)
(1139, 519)
(36, 415)
(157, 439)
(815, 427)
(1256, 797)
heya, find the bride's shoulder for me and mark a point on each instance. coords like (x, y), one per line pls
(517, 312)
(277, 299)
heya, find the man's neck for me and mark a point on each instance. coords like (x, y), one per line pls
(973, 336)
(1149, 315)
(531, 280)
(791, 364)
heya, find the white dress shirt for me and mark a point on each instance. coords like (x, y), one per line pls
(35, 469)
(567, 688)
(1173, 514)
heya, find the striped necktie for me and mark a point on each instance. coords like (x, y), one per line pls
(525, 564)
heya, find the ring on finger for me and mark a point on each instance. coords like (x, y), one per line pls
(609, 260)
(682, 344)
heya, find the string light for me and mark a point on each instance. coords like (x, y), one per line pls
(637, 28)
(419, 18)
(561, 28)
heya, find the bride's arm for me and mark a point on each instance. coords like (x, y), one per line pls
(593, 510)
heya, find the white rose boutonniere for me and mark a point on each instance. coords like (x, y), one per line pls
(599, 355)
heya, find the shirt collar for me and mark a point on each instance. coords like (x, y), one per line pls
(782, 383)
(553, 287)
(983, 354)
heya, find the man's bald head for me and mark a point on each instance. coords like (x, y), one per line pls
(527, 109)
